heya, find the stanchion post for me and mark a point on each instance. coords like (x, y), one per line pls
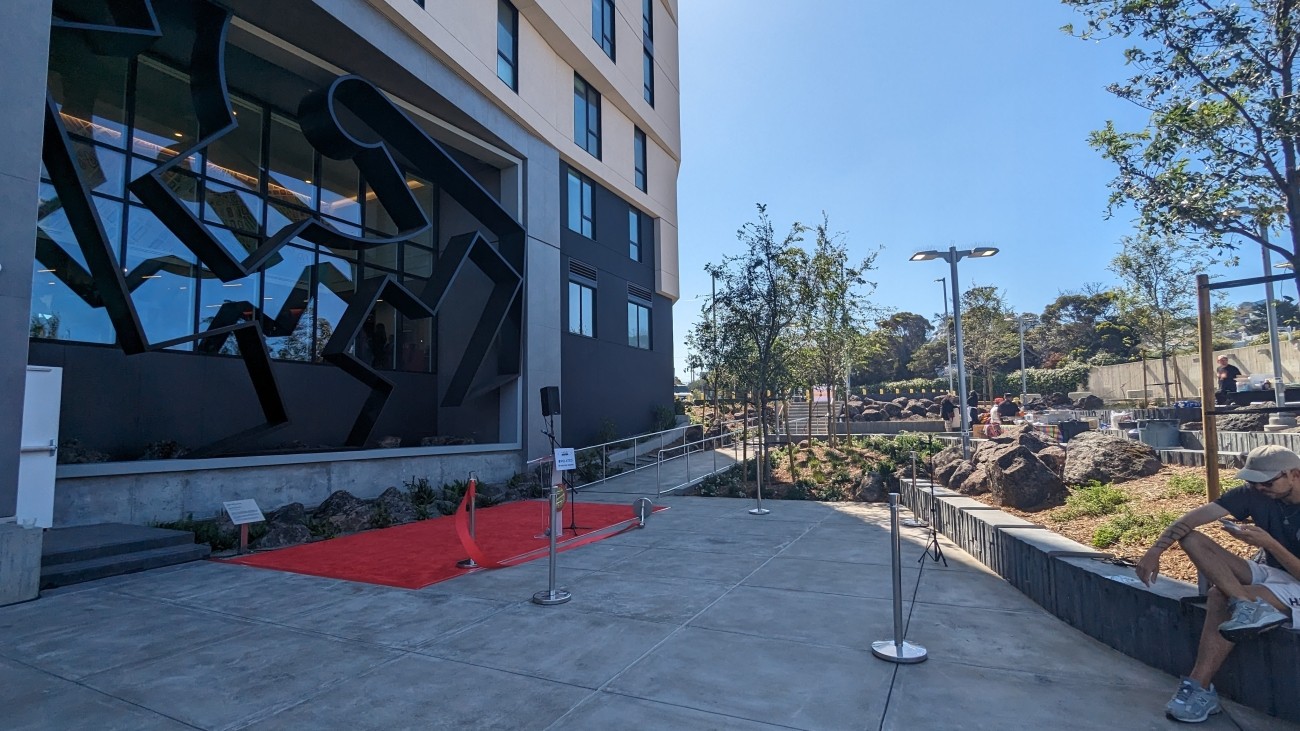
(915, 521)
(472, 488)
(553, 595)
(897, 650)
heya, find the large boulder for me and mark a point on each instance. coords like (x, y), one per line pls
(975, 482)
(1054, 457)
(872, 414)
(1096, 456)
(1244, 421)
(285, 526)
(1090, 403)
(892, 409)
(396, 506)
(345, 512)
(1019, 479)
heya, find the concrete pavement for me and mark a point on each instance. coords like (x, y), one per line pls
(708, 618)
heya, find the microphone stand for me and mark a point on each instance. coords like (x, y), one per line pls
(549, 431)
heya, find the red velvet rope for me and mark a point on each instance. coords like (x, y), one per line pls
(476, 553)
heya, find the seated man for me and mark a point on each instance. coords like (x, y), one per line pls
(1246, 598)
(1008, 409)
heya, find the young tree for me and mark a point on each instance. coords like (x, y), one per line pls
(834, 311)
(1158, 296)
(990, 341)
(759, 299)
(1221, 155)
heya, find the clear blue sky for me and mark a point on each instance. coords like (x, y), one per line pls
(913, 125)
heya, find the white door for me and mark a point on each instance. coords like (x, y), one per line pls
(37, 462)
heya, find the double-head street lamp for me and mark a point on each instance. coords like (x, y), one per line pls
(952, 256)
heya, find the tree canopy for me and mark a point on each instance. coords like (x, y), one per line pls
(1218, 161)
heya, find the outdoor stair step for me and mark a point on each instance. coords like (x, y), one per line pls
(76, 572)
(86, 542)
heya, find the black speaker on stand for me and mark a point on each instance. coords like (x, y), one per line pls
(550, 396)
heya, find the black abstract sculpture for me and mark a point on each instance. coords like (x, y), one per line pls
(124, 28)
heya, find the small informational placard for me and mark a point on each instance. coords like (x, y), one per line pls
(564, 459)
(242, 512)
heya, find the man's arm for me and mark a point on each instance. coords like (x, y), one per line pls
(1258, 537)
(1148, 567)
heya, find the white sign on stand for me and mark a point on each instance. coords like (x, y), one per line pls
(242, 512)
(565, 459)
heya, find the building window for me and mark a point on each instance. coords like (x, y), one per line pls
(634, 234)
(638, 155)
(648, 51)
(582, 309)
(602, 25)
(581, 219)
(508, 44)
(586, 116)
(638, 325)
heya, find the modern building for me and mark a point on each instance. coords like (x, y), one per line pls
(326, 244)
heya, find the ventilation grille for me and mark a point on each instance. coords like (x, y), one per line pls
(581, 269)
(638, 292)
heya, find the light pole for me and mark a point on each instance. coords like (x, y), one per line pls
(1024, 380)
(947, 333)
(952, 256)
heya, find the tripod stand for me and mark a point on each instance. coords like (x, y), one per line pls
(549, 431)
(933, 550)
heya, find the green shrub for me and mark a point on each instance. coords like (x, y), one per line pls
(802, 489)
(664, 418)
(1132, 529)
(1193, 485)
(1092, 499)
(422, 496)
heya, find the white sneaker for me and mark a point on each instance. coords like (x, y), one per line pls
(1250, 619)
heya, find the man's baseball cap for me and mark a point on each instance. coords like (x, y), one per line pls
(1267, 462)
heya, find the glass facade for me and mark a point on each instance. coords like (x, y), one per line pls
(579, 203)
(586, 116)
(602, 25)
(508, 44)
(638, 325)
(582, 309)
(127, 116)
(638, 157)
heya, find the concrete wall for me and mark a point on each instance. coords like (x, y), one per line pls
(1152, 624)
(1111, 382)
(554, 42)
(142, 493)
(25, 38)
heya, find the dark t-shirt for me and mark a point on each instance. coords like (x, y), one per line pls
(1228, 377)
(1280, 520)
(1008, 409)
(946, 409)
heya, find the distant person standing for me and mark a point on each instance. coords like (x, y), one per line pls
(948, 412)
(973, 405)
(1228, 375)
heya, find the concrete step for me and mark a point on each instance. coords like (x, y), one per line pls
(76, 572)
(85, 542)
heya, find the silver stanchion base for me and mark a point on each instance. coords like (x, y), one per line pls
(907, 653)
(547, 598)
(466, 563)
(913, 523)
(759, 511)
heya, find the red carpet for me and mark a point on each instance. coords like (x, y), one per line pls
(418, 554)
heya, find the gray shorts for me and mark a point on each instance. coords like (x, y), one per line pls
(1283, 585)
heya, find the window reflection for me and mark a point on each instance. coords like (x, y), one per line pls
(164, 111)
(287, 312)
(336, 285)
(340, 189)
(291, 179)
(62, 291)
(376, 344)
(238, 209)
(416, 338)
(160, 272)
(91, 96)
(235, 158)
